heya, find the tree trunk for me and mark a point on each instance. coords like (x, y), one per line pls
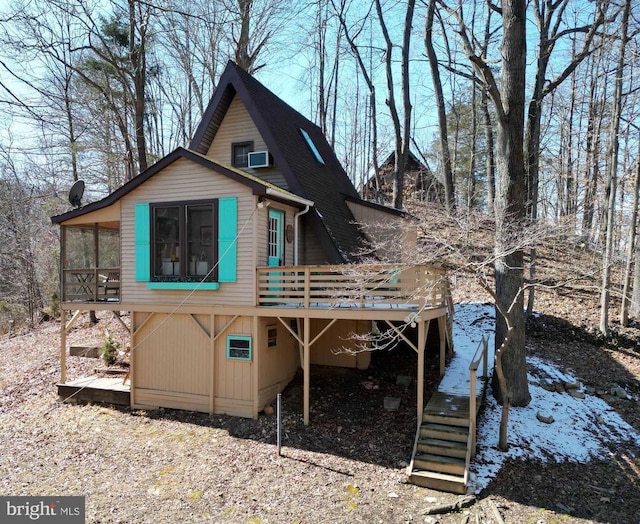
(549, 34)
(634, 307)
(612, 168)
(447, 172)
(490, 166)
(503, 443)
(631, 247)
(372, 100)
(406, 103)
(509, 199)
(243, 57)
(401, 138)
(137, 55)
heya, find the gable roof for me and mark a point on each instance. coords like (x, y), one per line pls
(257, 185)
(326, 184)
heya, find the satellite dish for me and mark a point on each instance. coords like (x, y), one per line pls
(76, 192)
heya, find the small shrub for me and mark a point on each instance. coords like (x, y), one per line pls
(53, 309)
(109, 349)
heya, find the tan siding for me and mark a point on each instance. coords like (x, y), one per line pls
(236, 408)
(233, 377)
(278, 364)
(394, 237)
(186, 180)
(261, 236)
(107, 217)
(238, 126)
(165, 399)
(172, 361)
(289, 246)
(329, 349)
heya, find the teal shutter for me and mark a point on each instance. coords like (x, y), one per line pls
(227, 244)
(142, 242)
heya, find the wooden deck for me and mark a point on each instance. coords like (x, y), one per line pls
(365, 286)
(381, 287)
(96, 389)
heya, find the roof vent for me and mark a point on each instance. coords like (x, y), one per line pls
(259, 159)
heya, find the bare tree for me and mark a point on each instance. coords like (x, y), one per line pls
(596, 113)
(549, 18)
(368, 78)
(20, 224)
(509, 205)
(447, 171)
(632, 242)
(612, 170)
(402, 131)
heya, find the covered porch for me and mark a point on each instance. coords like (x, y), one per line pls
(90, 257)
(90, 263)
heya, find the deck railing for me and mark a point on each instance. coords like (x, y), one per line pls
(91, 284)
(479, 357)
(362, 286)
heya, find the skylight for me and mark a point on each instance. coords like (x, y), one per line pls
(312, 146)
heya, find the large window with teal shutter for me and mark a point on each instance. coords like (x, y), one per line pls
(179, 245)
(183, 241)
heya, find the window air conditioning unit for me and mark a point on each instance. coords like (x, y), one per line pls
(259, 159)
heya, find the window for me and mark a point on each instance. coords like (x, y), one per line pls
(240, 153)
(183, 247)
(312, 146)
(272, 336)
(167, 240)
(238, 347)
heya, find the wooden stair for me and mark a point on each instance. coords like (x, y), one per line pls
(446, 437)
(439, 460)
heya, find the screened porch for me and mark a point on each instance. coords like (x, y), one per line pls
(90, 263)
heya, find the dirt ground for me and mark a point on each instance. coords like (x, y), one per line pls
(347, 466)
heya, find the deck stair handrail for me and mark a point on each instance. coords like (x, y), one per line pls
(480, 357)
(357, 285)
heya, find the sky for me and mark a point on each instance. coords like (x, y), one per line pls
(576, 435)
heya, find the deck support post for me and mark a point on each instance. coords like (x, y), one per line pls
(442, 330)
(306, 367)
(257, 344)
(63, 346)
(420, 385)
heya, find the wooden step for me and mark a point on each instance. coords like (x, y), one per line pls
(449, 419)
(444, 448)
(447, 408)
(437, 463)
(439, 481)
(444, 432)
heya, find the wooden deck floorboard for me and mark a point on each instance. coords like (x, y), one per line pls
(96, 389)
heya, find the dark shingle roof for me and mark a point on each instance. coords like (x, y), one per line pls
(279, 124)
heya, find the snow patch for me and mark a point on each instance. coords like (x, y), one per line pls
(582, 430)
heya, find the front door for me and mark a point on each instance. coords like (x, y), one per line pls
(276, 238)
